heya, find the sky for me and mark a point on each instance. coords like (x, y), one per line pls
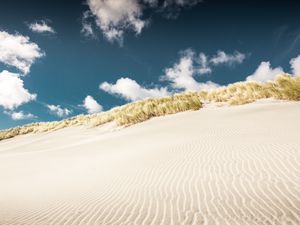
(62, 58)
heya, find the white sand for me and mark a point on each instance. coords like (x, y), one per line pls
(228, 165)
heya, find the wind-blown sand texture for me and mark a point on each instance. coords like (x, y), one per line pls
(218, 165)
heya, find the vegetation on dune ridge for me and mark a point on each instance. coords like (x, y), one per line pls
(285, 87)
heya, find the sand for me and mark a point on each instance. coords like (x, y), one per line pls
(218, 165)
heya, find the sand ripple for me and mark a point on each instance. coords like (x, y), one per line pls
(236, 165)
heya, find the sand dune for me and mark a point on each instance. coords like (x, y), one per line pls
(218, 165)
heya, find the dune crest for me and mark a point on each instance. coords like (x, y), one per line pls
(284, 87)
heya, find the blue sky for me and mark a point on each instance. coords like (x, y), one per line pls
(63, 58)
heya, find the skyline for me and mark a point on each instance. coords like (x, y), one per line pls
(61, 58)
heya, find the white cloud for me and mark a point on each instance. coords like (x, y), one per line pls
(115, 17)
(12, 91)
(20, 115)
(229, 59)
(264, 73)
(131, 90)
(181, 75)
(59, 111)
(91, 105)
(41, 27)
(18, 51)
(204, 64)
(295, 65)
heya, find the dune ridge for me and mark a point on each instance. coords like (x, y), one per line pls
(219, 165)
(284, 87)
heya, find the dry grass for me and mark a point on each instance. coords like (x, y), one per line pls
(124, 116)
(284, 87)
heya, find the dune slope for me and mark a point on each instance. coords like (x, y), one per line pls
(227, 165)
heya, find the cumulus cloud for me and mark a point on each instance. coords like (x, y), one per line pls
(115, 17)
(91, 105)
(41, 27)
(295, 65)
(20, 115)
(59, 111)
(265, 72)
(131, 90)
(12, 91)
(181, 75)
(229, 59)
(18, 51)
(205, 64)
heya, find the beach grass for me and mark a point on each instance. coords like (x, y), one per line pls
(284, 87)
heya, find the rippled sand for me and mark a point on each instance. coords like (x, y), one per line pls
(219, 165)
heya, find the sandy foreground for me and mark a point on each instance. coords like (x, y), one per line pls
(218, 165)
